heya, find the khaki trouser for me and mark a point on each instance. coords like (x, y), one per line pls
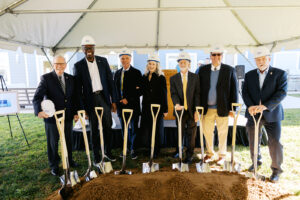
(209, 126)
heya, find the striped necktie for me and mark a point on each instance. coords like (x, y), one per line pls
(62, 84)
(184, 84)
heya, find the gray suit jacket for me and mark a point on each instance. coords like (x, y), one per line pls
(193, 91)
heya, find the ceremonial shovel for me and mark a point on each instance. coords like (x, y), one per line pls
(201, 167)
(90, 174)
(69, 178)
(233, 166)
(104, 167)
(150, 166)
(126, 125)
(182, 167)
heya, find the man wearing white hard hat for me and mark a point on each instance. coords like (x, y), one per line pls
(263, 91)
(185, 94)
(57, 87)
(128, 82)
(94, 80)
(154, 92)
(218, 90)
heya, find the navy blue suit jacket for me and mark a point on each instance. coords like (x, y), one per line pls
(84, 83)
(273, 91)
(227, 88)
(132, 89)
(50, 88)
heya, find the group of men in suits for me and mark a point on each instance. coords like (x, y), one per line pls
(214, 88)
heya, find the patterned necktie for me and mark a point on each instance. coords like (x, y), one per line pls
(184, 84)
(62, 84)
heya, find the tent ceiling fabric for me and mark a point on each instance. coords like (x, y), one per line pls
(273, 23)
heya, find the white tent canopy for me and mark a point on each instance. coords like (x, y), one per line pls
(149, 25)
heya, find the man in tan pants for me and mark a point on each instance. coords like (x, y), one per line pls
(218, 90)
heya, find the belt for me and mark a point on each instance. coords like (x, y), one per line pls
(97, 92)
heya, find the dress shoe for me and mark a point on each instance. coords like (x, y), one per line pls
(188, 160)
(251, 168)
(133, 155)
(274, 177)
(176, 155)
(73, 164)
(110, 157)
(54, 171)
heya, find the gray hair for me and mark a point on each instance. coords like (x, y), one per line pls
(59, 56)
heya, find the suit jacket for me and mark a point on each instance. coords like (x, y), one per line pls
(227, 88)
(50, 88)
(273, 91)
(132, 89)
(155, 92)
(192, 93)
(84, 83)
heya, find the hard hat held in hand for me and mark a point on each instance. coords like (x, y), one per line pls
(48, 107)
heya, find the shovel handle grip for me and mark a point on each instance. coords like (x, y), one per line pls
(179, 120)
(236, 114)
(256, 132)
(154, 126)
(126, 124)
(200, 112)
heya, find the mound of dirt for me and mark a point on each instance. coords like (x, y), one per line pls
(167, 185)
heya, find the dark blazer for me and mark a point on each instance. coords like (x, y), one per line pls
(227, 88)
(84, 83)
(132, 89)
(192, 93)
(155, 92)
(273, 91)
(50, 88)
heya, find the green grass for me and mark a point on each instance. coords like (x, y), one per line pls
(294, 95)
(24, 171)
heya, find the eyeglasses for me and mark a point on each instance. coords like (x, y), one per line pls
(216, 54)
(59, 63)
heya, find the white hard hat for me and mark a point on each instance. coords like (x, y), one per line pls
(217, 49)
(261, 51)
(184, 56)
(153, 57)
(125, 51)
(87, 40)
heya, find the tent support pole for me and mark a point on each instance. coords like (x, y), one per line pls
(73, 54)
(238, 50)
(73, 26)
(43, 50)
(242, 23)
(13, 5)
(157, 26)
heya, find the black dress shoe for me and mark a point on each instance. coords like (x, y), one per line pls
(188, 161)
(176, 155)
(274, 177)
(74, 164)
(251, 168)
(54, 171)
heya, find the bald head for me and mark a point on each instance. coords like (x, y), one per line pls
(59, 64)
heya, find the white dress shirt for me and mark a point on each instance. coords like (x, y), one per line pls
(262, 77)
(213, 67)
(95, 75)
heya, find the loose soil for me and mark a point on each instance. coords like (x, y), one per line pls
(167, 184)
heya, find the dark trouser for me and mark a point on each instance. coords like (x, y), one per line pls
(147, 123)
(273, 130)
(132, 130)
(99, 101)
(52, 143)
(189, 131)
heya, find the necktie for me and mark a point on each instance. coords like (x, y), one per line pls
(62, 84)
(122, 79)
(184, 84)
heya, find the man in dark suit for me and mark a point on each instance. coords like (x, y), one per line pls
(128, 81)
(218, 90)
(264, 89)
(96, 88)
(185, 94)
(58, 87)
